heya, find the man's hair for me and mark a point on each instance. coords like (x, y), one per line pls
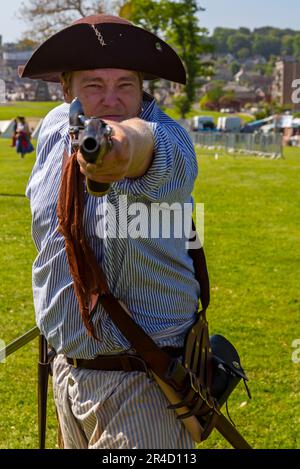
(66, 78)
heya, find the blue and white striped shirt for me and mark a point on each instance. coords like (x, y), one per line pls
(152, 276)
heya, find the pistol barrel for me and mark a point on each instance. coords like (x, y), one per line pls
(93, 137)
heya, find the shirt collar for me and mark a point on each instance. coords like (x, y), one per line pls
(147, 105)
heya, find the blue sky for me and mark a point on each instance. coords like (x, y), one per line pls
(227, 13)
(251, 13)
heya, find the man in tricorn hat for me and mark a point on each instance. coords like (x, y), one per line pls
(104, 397)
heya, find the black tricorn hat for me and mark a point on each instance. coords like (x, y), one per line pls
(104, 41)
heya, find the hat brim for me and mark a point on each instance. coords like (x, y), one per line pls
(122, 46)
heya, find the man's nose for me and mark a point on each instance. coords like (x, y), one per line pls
(109, 98)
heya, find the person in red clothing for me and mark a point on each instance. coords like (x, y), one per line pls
(23, 143)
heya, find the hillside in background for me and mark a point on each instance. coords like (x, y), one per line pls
(266, 41)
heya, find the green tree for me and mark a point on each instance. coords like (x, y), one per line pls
(177, 23)
(238, 41)
(212, 98)
(296, 46)
(149, 14)
(266, 45)
(187, 37)
(269, 67)
(287, 45)
(220, 38)
(244, 30)
(264, 41)
(243, 53)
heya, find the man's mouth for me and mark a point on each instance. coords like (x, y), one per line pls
(112, 117)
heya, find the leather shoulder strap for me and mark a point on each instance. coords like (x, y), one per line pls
(138, 338)
(158, 360)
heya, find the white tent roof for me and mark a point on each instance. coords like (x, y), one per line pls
(6, 128)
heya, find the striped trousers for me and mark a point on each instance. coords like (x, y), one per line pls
(114, 410)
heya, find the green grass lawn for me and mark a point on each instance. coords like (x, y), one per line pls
(252, 226)
(26, 108)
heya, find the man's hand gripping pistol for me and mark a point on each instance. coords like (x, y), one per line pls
(92, 136)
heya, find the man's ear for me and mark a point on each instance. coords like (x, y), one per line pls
(66, 92)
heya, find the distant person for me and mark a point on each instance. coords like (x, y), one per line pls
(23, 143)
(14, 135)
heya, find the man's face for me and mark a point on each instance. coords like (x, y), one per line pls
(111, 94)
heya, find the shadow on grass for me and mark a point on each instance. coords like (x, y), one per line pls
(12, 195)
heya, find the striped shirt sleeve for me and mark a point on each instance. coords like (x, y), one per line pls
(173, 170)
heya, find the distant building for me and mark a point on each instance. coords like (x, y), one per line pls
(286, 71)
(15, 58)
(254, 79)
(42, 91)
(10, 58)
(242, 93)
(222, 72)
(250, 62)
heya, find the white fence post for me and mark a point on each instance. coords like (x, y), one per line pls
(2, 91)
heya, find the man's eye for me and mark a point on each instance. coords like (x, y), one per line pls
(125, 85)
(93, 85)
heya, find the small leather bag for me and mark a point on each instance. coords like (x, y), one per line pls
(214, 370)
(227, 369)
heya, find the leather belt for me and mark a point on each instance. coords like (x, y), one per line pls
(118, 362)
